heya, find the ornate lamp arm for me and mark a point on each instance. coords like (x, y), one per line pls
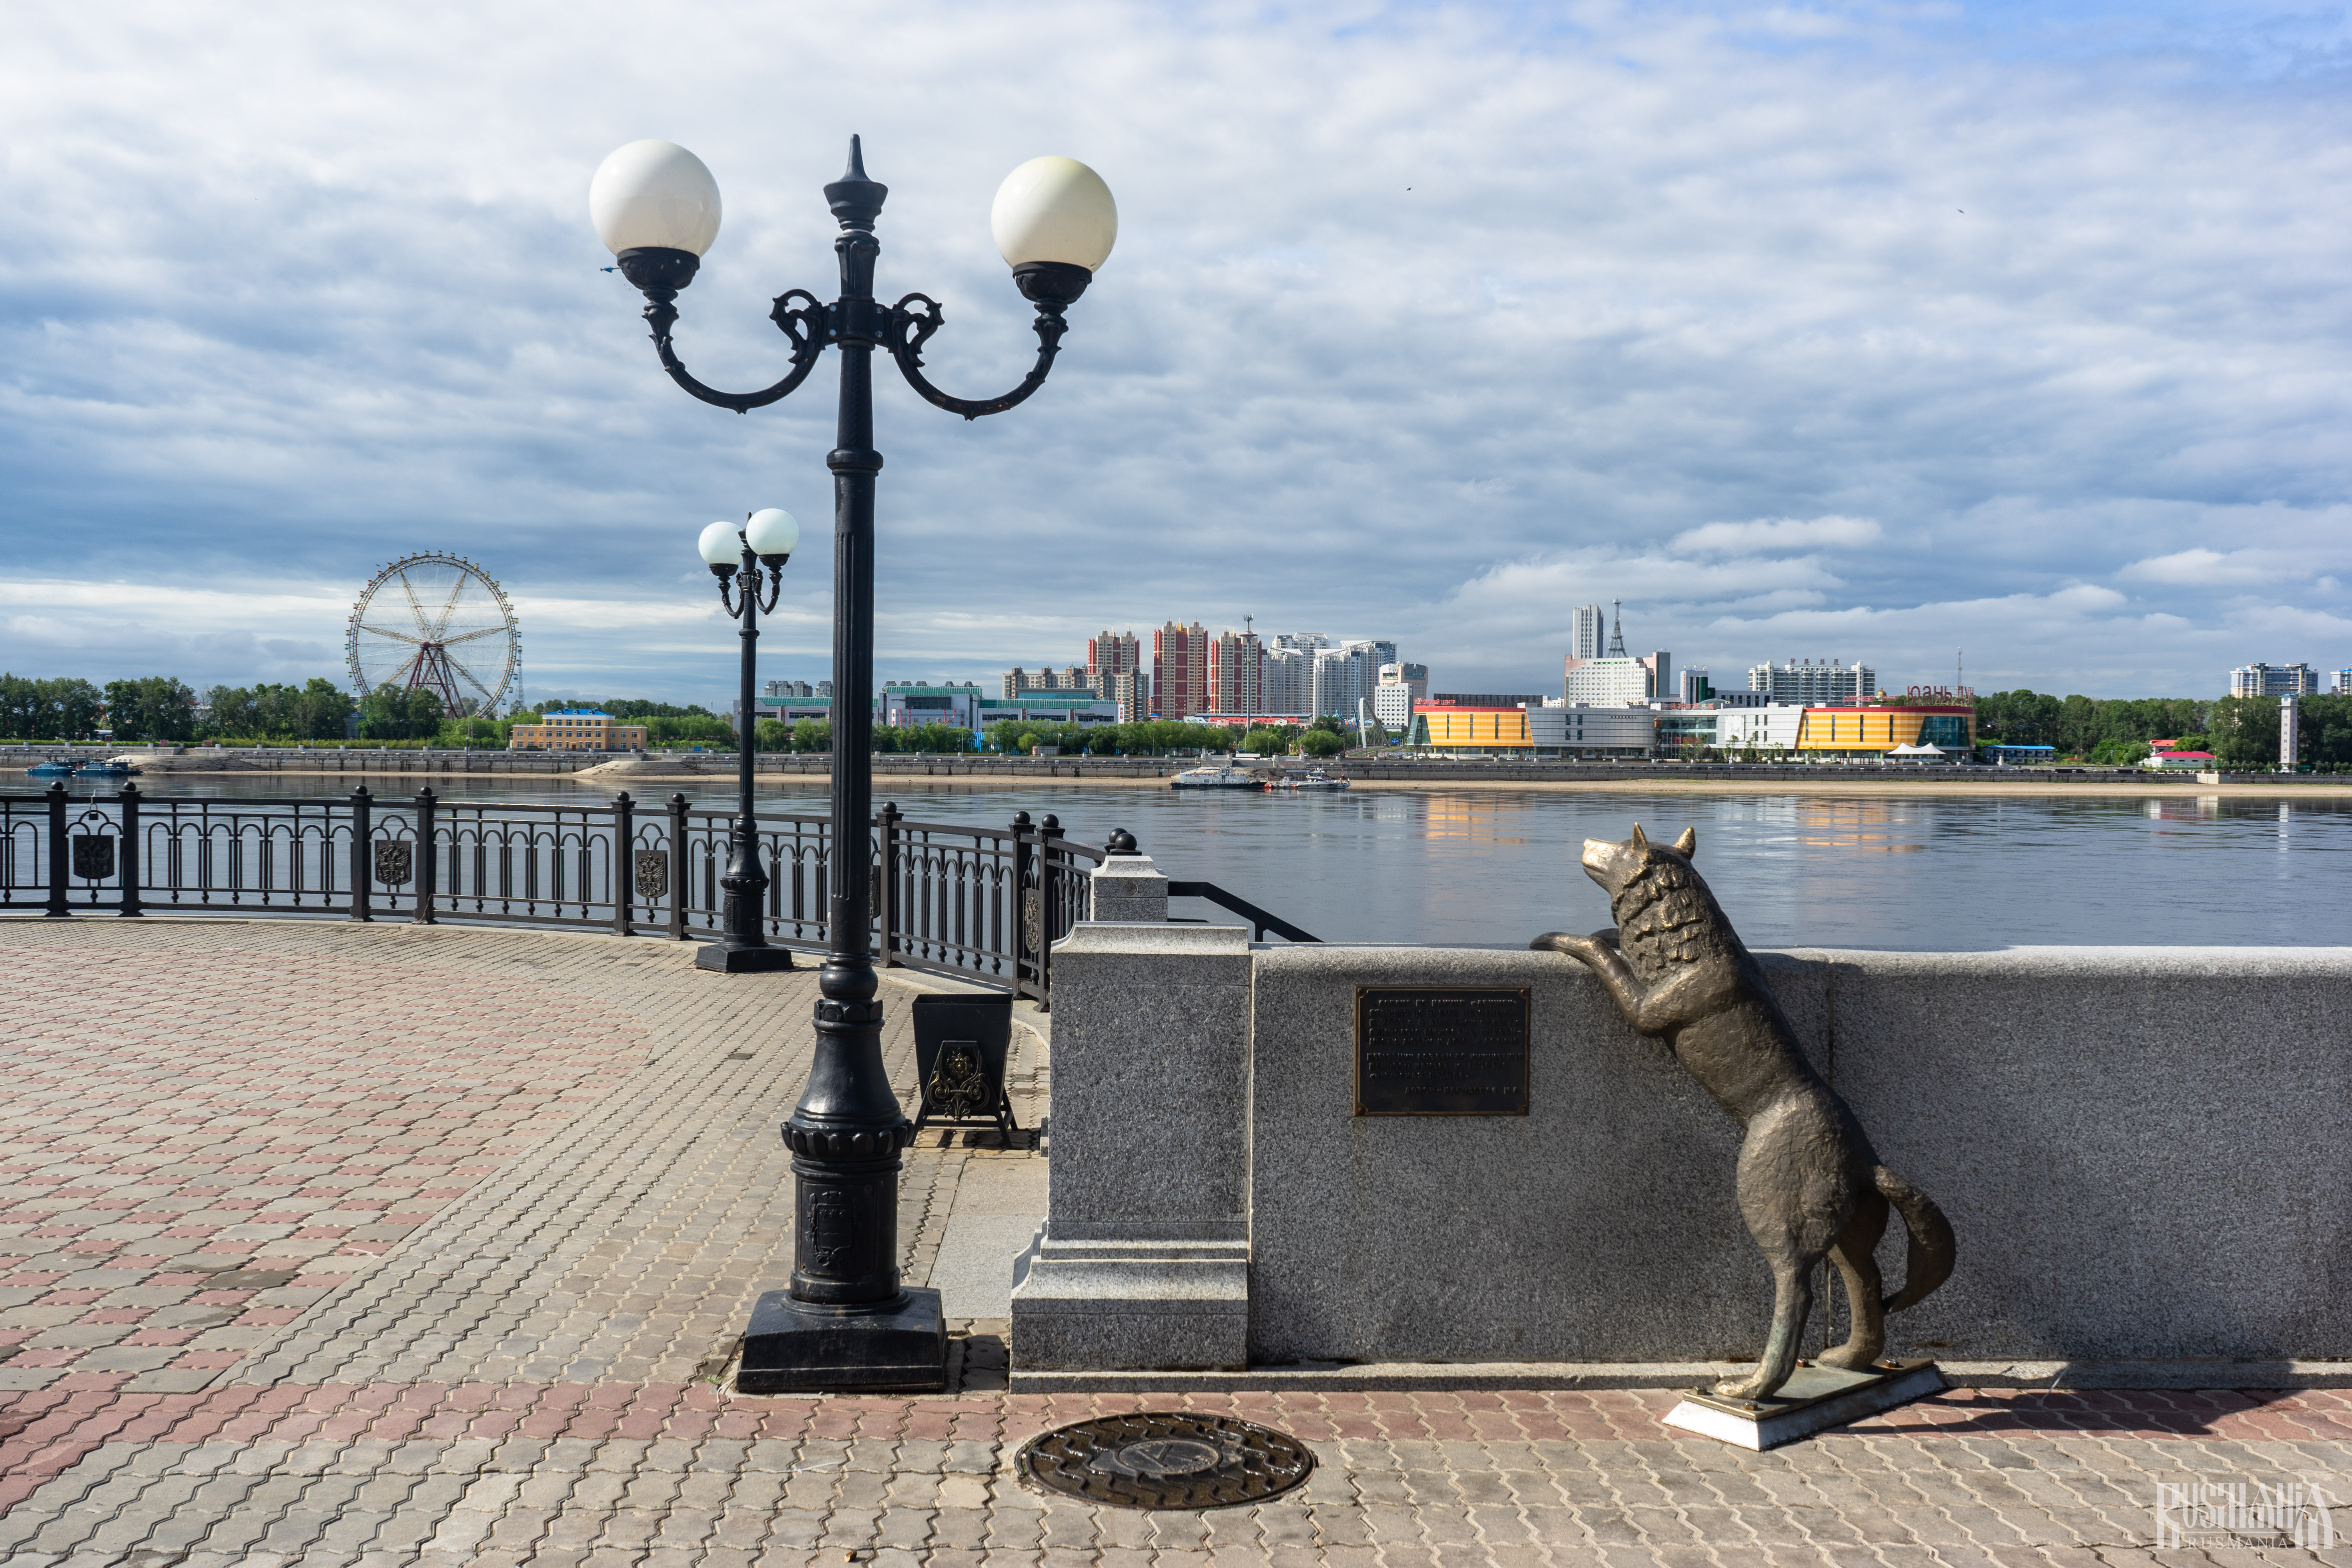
(726, 595)
(914, 318)
(804, 325)
(775, 586)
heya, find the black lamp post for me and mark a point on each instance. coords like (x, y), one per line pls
(846, 1322)
(766, 539)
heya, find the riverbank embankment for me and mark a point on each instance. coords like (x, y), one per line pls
(615, 771)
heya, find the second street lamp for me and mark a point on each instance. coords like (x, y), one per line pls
(847, 1322)
(736, 557)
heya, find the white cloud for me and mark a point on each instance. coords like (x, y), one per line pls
(1420, 322)
(2213, 569)
(1778, 535)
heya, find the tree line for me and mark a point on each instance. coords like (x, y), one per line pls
(2241, 731)
(160, 708)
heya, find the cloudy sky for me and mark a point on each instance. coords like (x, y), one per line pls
(1860, 331)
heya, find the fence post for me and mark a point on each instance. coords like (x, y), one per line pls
(128, 863)
(887, 906)
(363, 873)
(624, 863)
(58, 908)
(1021, 849)
(1047, 831)
(426, 870)
(677, 867)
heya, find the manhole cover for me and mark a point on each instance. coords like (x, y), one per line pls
(1166, 1460)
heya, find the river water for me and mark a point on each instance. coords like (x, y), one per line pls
(1496, 866)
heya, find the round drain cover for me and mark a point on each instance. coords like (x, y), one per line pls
(1166, 1460)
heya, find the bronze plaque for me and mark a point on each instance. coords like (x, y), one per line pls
(1442, 1052)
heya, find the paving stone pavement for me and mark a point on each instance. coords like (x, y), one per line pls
(388, 1245)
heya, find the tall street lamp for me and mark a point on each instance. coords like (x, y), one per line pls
(846, 1322)
(736, 556)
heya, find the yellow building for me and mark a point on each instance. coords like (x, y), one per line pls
(577, 730)
(1465, 729)
(1889, 729)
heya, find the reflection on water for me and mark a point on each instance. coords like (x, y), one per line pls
(1499, 866)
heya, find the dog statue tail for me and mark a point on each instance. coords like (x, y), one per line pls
(1927, 1262)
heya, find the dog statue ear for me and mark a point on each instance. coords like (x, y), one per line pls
(1637, 841)
(1688, 844)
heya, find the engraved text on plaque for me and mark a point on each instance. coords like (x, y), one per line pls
(1441, 1051)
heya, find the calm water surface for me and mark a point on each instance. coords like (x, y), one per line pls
(1930, 872)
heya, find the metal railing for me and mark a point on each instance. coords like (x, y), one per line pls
(985, 903)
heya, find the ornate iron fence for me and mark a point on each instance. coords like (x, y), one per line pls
(985, 903)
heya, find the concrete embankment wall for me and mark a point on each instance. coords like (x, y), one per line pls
(2141, 1151)
(598, 767)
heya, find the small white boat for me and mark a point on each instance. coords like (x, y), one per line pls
(1312, 779)
(1216, 778)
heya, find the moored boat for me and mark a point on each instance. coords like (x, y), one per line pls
(1312, 779)
(50, 770)
(1216, 778)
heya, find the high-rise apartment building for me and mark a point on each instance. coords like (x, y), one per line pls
(1110, 652)
(779, 690)
(1696, 687)
(1179, 669)
(1348, 674)
(2340, 683)
(1132, 692)
(1236, 667)
(1814, 684)
(1584, 639)
(1285, 680)
(2260, 680)
(1018, 680)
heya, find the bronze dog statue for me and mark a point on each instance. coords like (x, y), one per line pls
(1810, 1183)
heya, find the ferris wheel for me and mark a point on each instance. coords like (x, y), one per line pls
(437, 621)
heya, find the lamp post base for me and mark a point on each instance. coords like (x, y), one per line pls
(794, 1347)
(728, 960)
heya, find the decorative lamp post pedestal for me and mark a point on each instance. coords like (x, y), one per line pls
(846, 1322)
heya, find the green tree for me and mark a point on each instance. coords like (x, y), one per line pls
(1268, 741)
(395, 713)
(691, 730)
(2245, 732)
(73, 706)
(2113, 752)
(2326, 724)
(1322, 743)
(150, 708)
(23, 714)
(813, 735)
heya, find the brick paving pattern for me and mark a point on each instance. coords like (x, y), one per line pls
(385, 1245)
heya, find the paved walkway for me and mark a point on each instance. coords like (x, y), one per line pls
(388, 1245)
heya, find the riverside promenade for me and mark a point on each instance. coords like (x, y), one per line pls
(337, 1244)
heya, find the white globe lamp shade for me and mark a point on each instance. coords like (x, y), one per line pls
(773, 533)
(722, 544)
(1054, 209)
(653, 195)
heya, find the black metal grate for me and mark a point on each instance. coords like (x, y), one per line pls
(1165, 1459)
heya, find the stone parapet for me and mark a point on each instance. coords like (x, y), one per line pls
(2135, 1148)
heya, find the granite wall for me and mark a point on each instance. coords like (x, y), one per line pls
(2143, 1152)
